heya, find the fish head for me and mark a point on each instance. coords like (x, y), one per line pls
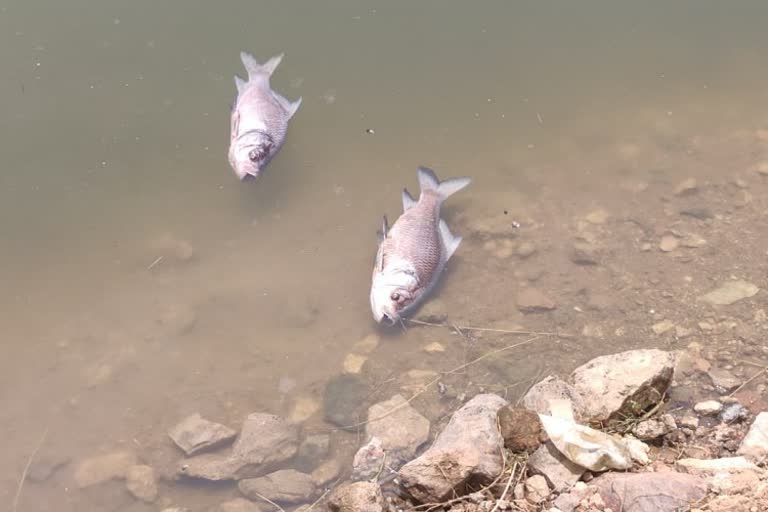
(250, 153)
(392, 293)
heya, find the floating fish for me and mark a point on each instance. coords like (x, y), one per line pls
(259, 118)
(413, 253)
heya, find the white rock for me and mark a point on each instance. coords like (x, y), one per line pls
(730, 292)
(723, 464)
(536, 489)
(755, 444)
(708, 407)
(195, 434)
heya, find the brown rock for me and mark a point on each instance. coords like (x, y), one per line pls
(284, 486)
(142, 483)
(195, 434)
(532, 300)
(356, 497)
(650, 492)
(520, 428)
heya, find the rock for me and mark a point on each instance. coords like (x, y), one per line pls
(692, 241)
(367, 344)
(716, 465)
(668, 243)
(732, 413)
(585, 253)
(559, 471)
(723, 380)
(525, 250)
(532, 300)
(730, 292)
(662, 327)
(142, 483)
(344, 397)
(195, 434)
(284, 486)
(325, 472)
(708, 407)
(568, 501)
(466, 450)
(102, 468)
(686, 187)
(520, 428)
(265, 441)
(238, 505)
(177, 319)
(597, 217)
(649, 492)
(652, 429)
(701, 213)
(45, 465)
(356, 497)
(536, 489)
(303, 408)
(539, 397)
(623, 385)
(682, 332)
(755, 444)
(369, 460)
(689, 421)
(353, 363)
(313, 449)
(400, 427)
(434, 348)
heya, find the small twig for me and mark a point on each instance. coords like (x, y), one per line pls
(318, 500)
(484, 329)
(761, 372)
(506, 488)
(278, 507)
(26, 469)
(158, 260)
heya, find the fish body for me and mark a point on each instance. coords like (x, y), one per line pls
(413, 252)
(259, 121)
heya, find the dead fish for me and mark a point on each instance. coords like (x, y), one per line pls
(259, 118)
(413, 253)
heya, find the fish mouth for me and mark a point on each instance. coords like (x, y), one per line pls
(387, 320)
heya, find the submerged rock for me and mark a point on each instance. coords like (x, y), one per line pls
(400, 428)
(533, 300)
(285, 486)
(539, 398)
(356, 497)
(142, 483)
(467, 450)
(312, 450)
(344, 397)
(708, 407)
(238, 505)
(730, 292)
(195, 434)
(102, 468)
(624, 384)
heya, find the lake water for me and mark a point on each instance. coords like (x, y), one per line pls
(143, 282)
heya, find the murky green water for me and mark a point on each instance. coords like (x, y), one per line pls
(142, 282)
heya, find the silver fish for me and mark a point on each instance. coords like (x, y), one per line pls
(413, 253)
(259, 118)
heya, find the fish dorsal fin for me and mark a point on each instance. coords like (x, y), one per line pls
(259, 72)
(408, 200)
(290, 107)
(240, 84)
(449, 241)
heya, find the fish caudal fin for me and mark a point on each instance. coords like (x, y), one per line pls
(259, 71)
(428, 181)
(290, 107)
(408, 200)
(449, 241)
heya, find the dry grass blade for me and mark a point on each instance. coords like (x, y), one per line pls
(460, 328)
(26, 470)
(759, 373)
(277, 507)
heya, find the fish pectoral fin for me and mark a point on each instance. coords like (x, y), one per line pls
(240, 84)
(381, 234)
(288, 106)
(448, 240)
(408, 200)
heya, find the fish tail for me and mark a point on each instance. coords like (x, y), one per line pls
(255, 69)
(429, 182)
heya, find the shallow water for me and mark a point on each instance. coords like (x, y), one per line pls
(143, 282)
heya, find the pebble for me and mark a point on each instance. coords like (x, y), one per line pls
(734, 412)
(585, 253)
(284, 486)
(142, 483)
(344, 398)
(536, 489)
(662, 327)
(701, 213)
(367, 344)
(313, 449)
(434, 347)
(304, 407)
(693, 242)
(668, 243)
(102, 468)
(237, 505)
(598, 217)
(525, 250)
(708, 407)
(353, 363)
(762, 168)
(730, 292)
(689, 421)
(533, 300)
(325, 472)
(723, 380)
(195, 434)
(686, 187)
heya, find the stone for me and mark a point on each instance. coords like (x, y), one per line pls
(539, 398)
(651, 429)
(732, 413)
(567, 502)
(692, 241)
(367, 344)
(326, 472)
(689, 421)
(623, 385)
(730, 292)
(177, 319)
(434, 348)
(536, 489)
(401, 428)
(265, 441)
(303, 408)
(650, 492)
(356, 497)
(142, 483)
(238, 505)
(102, 468)
(698, 212)
(195, 434)
(597, 217)
(520, 428)
(560, 472)
(312, 449)
(662, 327)
(284, 486)
(353, 363)
(525, 250)
(708, 408)
(723, 380)
(533, 300)
(755, 443)
(369, 460)
(45, 465)
(585, 253)
(716, 465)
(344, 398)
(668, 243)
(686, 187)
(467, 450)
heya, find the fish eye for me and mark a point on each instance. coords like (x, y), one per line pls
(253, 155)
(395, 296)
